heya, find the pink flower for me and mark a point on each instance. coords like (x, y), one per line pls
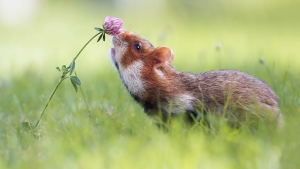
(112, 26)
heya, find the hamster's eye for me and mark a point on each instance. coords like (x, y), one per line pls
(137, 46)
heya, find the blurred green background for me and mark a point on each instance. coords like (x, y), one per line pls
(36, 36)
(45, 34)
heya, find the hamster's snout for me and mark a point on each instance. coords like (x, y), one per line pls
(121, 31)
(116, 41)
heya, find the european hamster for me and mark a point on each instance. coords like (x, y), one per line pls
(151, 80)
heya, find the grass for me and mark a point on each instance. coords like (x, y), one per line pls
(116, 133)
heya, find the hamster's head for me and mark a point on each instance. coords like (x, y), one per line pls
(135, 58)
(129, 48)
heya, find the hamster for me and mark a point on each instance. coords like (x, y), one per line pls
(149, 77)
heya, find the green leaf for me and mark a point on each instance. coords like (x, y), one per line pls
(27, 126)
(99, 29)
(100, 37)
(27, 129)
(76, 80)
(74, 85)
(103, 36)
(72, 67)
(57, 68)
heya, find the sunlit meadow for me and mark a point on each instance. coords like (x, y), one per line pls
(110, 130)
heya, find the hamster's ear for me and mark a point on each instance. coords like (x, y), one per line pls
(162, 55)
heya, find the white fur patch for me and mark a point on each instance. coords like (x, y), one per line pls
(180, 103)
(132, 78)
(186, 100)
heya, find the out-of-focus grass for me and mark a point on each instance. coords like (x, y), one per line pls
(119, 134)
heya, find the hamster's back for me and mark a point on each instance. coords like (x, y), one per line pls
(237, 90)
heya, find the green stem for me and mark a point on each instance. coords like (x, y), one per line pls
(62, 79)
(59, 82)
(86, 45)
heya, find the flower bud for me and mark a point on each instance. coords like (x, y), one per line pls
(112, 26)
(261, 61)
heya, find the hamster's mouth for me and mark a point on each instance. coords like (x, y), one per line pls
(113, 52)
(113, 57)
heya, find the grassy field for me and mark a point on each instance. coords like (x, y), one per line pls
(111, 130)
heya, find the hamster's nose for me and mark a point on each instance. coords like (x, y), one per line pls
(121, 31)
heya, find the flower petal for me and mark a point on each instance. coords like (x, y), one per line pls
(112, 26)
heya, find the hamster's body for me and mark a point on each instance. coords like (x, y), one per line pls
(149, 77)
